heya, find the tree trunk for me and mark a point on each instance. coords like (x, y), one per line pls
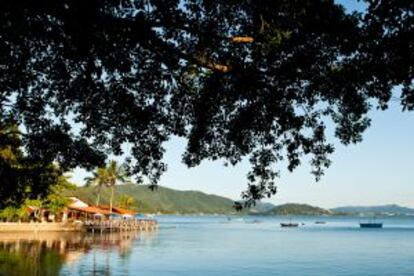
(98, 198)
(112, 197)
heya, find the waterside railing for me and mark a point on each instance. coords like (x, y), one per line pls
(120, 225)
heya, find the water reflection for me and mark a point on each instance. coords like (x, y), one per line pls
(48, 253)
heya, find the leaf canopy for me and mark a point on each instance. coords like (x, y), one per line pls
(255, 79)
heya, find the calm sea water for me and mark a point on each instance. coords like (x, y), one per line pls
(216, 246)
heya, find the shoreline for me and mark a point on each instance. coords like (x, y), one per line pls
(7, 227)
(41, 227)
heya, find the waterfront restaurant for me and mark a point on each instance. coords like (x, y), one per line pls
(79, 210)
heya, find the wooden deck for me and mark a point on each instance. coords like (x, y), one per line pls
(121, 225)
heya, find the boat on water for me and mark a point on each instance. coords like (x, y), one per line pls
(370, 224)
(320, 222)
(289, 224)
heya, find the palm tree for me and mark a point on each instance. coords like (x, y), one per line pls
(125, 201)
(108, 176)
(100, 180)
(116, 174)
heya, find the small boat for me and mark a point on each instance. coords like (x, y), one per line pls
(370, 225)
(290, 224)
(320, 222)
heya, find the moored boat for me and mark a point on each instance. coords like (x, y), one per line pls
(290, 224)
(371, 225)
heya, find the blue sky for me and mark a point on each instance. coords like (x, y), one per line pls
(380, 170)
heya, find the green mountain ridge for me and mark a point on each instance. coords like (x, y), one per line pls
(380, 209)
(298, 209)
(261, 208)
(163, 200)
(169, 201)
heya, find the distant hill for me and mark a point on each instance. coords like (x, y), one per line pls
(261, 207)
(170, 201)
(163, 200)
(381, 209)
(298, 209)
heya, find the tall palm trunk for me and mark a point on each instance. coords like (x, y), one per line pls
(112, 197)
(98, 198)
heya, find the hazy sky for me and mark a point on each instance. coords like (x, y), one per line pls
(379, 170)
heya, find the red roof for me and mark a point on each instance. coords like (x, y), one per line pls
(118, 210)
(91, 210)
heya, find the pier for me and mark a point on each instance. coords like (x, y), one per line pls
(81, 226)
(121, 225)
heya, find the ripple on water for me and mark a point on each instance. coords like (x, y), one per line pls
(216, 246)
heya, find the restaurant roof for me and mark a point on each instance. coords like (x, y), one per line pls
(118, 210)
(91, 210)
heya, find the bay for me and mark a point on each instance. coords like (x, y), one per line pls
(219, 245)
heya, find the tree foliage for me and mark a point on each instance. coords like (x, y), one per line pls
(99, 179)
(22, 178)
(107, 176)
(56, 201)
(237, 79)
(126, 201)
(8, 214)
